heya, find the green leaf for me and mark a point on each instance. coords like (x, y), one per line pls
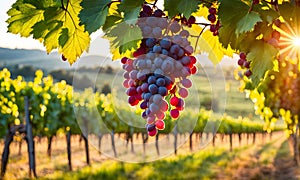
(247, 23)
(171, 7)
(188, 7)
(111, 21)
(63, 38)
(123, 37)
(51, 39)
(267, 13)
(93, 14)
(230, 12)
(261, 56)
(131, 9)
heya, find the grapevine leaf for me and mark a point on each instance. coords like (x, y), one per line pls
(290, 13)
(40, 30)
(64, 36)
(123, 38)
(70, 38)
(188, 7)
(78, 42)
(266, 13)
(211, 45)
(261, 56)
(287, 10)
(22, 17)
(230, 12)
(93, 14)
(51, 39)
(247, 23)
(111, 21)
(131, 8)
(171, 7)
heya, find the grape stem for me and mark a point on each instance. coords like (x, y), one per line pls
(205, 24)
(154, 4)
(66, 9)
(198, 37)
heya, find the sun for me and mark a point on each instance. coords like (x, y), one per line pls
(289, 42)
(296, 41)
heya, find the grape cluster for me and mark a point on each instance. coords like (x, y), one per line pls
(187, 22)
(215, 25)
(157, 78)
(244, 64)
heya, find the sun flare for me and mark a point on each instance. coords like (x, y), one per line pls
(296, 41)
(289, 41)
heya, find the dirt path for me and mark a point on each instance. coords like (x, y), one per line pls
(272, 160)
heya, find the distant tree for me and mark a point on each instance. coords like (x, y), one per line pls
(62, 75)
(109, 70)
(106, 89)
(85, 82)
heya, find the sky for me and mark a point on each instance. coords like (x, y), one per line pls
(9, 40)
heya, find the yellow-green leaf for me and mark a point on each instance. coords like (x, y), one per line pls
(23, 17)
(210, 44)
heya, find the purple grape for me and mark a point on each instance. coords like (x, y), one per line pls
(212, 10)
(147, 30)
(144, 115)
(165, 52)
(150, 127)
(131, 91)
(154, 108)
(183, 92)
(186, 83)
(147, 9)
(246, 64)
(180, 52)
(213, 28)
(174, 49)
(151, 80)
(175, 27)
(147, 96)
(185, 60)
(241, 62)
(248, 73)
(163, 23)
(160, 82)
(212, 18)
(131, 100)
(157, 32)
(158, 13)
(184, 33)
(144, 105)
(152, 88)
(150, 42)
(165, 43)
(192, 20)
(144, 87)
(162, 91)
(156, 49)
